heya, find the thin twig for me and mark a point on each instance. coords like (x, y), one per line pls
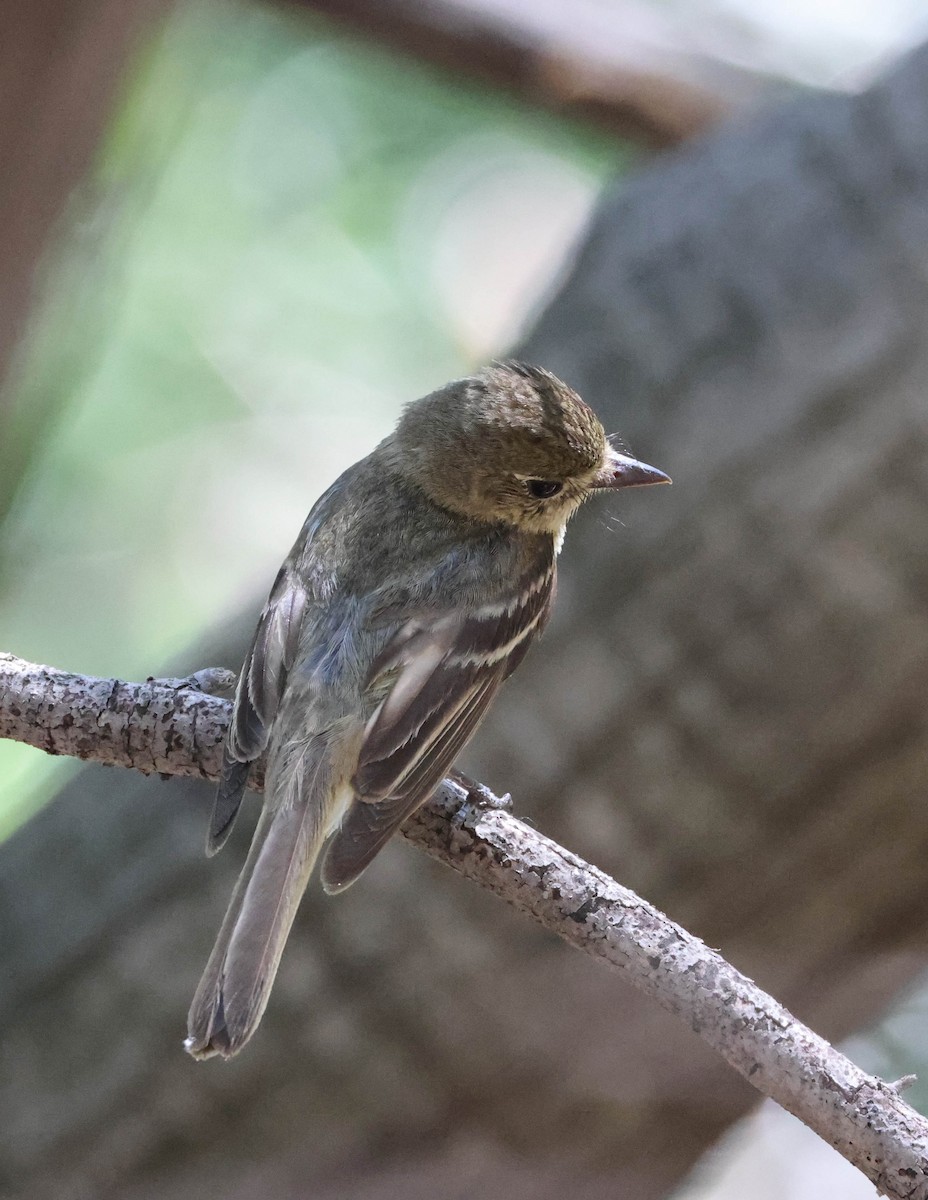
(169, 727)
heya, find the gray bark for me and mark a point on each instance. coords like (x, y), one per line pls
(743, 664)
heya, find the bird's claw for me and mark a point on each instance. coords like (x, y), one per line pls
(213, 681)
(478, 795)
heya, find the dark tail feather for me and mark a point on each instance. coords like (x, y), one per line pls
(236, 984)
(206, 1026)
(228, 801)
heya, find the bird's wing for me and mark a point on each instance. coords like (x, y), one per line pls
(442, 671)
(257, 697)
(267, 663)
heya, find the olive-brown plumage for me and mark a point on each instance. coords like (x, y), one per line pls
(414, 589)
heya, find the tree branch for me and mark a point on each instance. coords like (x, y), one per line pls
(628, 68)
(171, 727)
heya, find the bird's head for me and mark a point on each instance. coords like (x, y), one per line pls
(514, 445)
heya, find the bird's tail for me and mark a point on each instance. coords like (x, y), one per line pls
(236, 984)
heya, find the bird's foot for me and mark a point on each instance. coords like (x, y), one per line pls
(214, 681)
(478, 796)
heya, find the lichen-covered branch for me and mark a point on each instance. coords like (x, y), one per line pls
(172, 727)
(165, 726)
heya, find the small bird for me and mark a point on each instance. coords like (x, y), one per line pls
(413, 591)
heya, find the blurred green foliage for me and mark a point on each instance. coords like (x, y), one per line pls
(288, 233)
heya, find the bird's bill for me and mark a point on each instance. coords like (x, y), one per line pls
(622, 471)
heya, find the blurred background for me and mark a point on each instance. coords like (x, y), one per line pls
(236, 237)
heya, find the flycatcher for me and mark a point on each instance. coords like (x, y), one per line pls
(413, 591)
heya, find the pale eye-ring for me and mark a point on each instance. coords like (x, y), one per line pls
(543, 489)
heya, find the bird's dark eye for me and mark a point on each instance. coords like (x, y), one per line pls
(541, 489)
